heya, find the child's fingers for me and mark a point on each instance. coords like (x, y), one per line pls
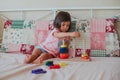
(77, 34)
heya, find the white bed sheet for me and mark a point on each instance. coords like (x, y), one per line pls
(100, 68)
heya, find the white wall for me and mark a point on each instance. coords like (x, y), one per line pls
(34, 4)
(18, 4)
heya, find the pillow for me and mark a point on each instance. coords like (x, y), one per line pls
(12, 38)
(17, 24)
(20, 48)
(73, 26)
(78, 52)
(99, 53)
(42, 31)
(15, 35)
(13, 48)
(26, 48)
(98, 36)
(112, 43)
(115, 53)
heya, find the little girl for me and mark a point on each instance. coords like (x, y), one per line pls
(49, 48)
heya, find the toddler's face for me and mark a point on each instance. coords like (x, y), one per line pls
(65, 26)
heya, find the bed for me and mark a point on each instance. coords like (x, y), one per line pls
(100, 68)
(104, 65)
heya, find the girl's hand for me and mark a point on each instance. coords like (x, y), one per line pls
(75, 34)
(67, 38)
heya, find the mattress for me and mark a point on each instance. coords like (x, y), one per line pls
(12, 67)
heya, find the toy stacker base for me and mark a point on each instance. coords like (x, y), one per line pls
(81, 59)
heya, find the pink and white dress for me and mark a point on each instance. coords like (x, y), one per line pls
(51, 43)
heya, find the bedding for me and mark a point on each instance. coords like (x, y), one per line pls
(100, 68)
(97, 35)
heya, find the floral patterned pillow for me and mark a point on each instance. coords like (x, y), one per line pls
(98, 36)
(26, 48)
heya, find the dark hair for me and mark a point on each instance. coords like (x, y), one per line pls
(61, 17)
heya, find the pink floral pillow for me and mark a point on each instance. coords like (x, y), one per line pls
(13, 48)
(40, 36)
(79, 52)
(42, 30)
(26, 48)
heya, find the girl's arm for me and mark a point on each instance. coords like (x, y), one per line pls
(65, 34)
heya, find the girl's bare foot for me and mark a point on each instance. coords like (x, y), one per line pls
(43, 57)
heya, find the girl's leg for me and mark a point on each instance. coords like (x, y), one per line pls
(36, 53)
(44, 56)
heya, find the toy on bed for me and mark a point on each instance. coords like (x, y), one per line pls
(85, 57)
(51, 65)
(39, 71)
(64, 51)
